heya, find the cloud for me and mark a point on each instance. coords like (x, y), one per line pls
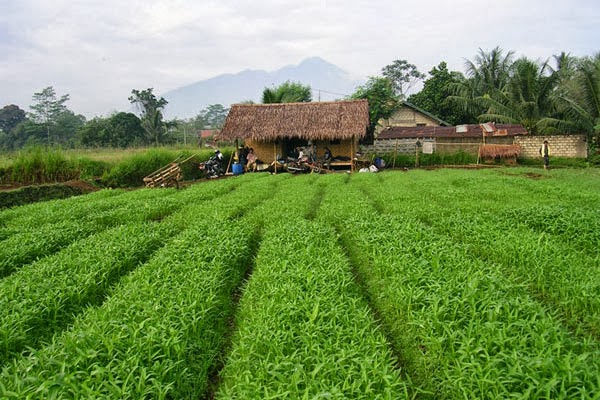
(98, 51)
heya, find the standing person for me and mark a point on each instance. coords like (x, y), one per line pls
(545, 153)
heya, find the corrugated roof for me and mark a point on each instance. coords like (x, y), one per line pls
(311, 121)
(472, 130)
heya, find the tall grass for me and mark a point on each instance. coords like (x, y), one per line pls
(131, 171)
(40, 165)
(111, 167)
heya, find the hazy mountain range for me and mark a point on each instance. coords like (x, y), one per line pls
(328, 82)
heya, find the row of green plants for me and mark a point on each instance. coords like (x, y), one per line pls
(38, 230)
(303, 330)
(461, 326)
(135, 348)
(26, 244)
(160, 330)
(43, 297)
(551, 247)
(72, 210)
(296, 330)
(427, 284)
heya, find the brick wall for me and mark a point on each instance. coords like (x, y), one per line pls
(441, 145)
(573, 146)
(403, 146)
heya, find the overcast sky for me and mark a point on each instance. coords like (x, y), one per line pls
(97, 51)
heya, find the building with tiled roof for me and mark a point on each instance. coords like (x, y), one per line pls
(446, 139)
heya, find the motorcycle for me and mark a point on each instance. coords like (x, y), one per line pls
(213, 168)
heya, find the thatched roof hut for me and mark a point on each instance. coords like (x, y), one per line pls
(335, 120)
(273, 130)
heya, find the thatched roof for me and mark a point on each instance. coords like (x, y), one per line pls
(498, 150)
(310, 121)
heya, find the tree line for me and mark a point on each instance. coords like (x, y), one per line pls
(51, 123)
(558, 95)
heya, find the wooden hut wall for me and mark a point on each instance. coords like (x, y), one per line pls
(345, 148)
(264, 150)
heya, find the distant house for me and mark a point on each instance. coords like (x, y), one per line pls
(207, 137)
(409, 115)
(447, 139)
(275, 130)
(207, 133)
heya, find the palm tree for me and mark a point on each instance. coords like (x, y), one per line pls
(526, 97)
(565, 64)
(287, 92)
(490, 70)
(487, 74)
(579, 103)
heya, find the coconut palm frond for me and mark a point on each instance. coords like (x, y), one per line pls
(501, 118)
(556, 125)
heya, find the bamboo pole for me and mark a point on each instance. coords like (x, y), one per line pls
(229, 163)
(352, 155)
(416, 156)
(275, 156)
(395, 155)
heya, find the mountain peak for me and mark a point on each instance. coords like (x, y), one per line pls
(314, 60)
(227, 89)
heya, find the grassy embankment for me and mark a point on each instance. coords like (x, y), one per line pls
(42, 174)
(38, 173)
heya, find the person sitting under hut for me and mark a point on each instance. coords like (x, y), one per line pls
(328, 156)
(251, 160)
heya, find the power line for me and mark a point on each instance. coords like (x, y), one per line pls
(328, 92)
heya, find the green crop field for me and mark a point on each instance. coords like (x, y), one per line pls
(443, 284)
